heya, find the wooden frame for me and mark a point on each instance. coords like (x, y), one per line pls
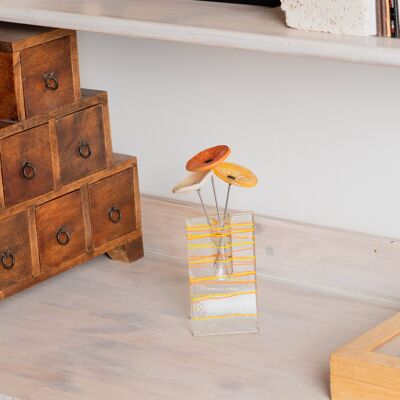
(358, 371)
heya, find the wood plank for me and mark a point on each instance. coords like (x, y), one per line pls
(18, 37)
(88, 98)
(358, 361)
(8, 80)
(374, 338)
(375, 369)
(65, 265)
(347, 389)
(135, 338)
(199, 22)
(75, 66)
(54, 153)
(128, 252)
(109, 330)
(121, 163)
(18, 87)
(107, 132)
(86, 218)
(33, 241)
(138, 207)
(304, 254)
(2, 199)
(391, 348)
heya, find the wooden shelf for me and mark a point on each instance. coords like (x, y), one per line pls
(207, 23)
(110, 330)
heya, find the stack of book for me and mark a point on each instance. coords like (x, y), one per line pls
(387, 13)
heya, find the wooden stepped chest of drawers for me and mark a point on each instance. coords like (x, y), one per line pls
(64, 196)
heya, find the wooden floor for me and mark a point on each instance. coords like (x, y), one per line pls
(107, 330)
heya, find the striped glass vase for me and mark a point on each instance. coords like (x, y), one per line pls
(222, 274)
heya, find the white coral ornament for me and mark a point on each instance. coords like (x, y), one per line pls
(348, 17)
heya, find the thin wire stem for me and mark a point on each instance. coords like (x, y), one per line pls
(223, 226)
(206, 214)
(215, 197)
(204, 208)
(227, 200)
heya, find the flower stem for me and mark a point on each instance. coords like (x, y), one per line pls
(215, 197)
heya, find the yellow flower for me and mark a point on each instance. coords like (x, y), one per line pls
(235, 174)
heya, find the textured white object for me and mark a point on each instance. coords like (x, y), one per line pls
(349, 17)
(193, 181)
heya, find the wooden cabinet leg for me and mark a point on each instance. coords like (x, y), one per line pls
(128, 252)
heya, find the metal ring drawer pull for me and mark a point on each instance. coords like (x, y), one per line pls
(84, 150)
(28, 171)
(115, 214)
(7, 260)
(63, 237)
(51, 81)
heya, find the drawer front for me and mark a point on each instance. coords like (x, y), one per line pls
(47, 76)
(26, 165)
(112, 207)
(60, 230)
(15, 251)
(81, 143)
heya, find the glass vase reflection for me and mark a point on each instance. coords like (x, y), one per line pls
(222, 274)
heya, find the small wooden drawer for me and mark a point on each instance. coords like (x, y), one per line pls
(40, 70)
(26, 165)
(112, 207)
(60, 230)
(15, 251)
(81, 143)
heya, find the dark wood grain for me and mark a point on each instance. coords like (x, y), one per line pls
(70, 207)
(70, 263)
(64, 212)
(8, 106)
(128, 252)
(116, 191)
(74, 129)
(16, 37)
(31, 146)
(88, 98)
(121, 162)
(14, 238)
(38, 61)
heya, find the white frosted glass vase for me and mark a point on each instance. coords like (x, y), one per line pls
(222, 275)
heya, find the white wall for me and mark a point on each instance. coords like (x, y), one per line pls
(321, 136)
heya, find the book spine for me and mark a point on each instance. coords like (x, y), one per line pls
(386, 18)
(379, 29)
(393, 18)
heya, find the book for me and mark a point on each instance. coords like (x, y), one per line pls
(386, 18)
(393, 19)
(379, 29)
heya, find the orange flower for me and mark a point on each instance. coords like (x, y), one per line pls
(235, 175)
(208, 158)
